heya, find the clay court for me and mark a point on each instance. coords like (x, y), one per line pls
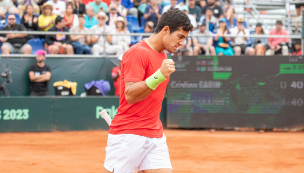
(190, 151)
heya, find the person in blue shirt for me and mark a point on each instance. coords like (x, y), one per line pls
(153, 12)
(97, 4)
(90, 19)
(222, 43)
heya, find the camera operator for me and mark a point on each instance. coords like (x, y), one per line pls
(40, 75)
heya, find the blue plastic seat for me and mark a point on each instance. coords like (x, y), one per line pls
(134, 22)
(18, 20)
(36, 44)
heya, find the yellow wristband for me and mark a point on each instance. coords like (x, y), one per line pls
(154, 80)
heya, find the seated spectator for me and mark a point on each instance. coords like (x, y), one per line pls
(23, 5)
(7, 6)
(210, 19)
(14, 43)
(122, 39)
(222, 43)
(90, 19)
(148, 29)
(78, 7)
(30, 20)
(59, 43)
(81, 43)
(233, 23)
(217, 10)
(296, 46)
(278, 45)
(174, 4)
(112, 16)
(227, 6)
(116, 71)
(58, 6)
(196, 11)
(97, 4)
(47, 19)
(239, 44)
(70, 18)
(259, 44)
(121, 9)
(99, 41)
(186, 49)
(40, 75)
(200, 42)
(185, 9)
(153, 12)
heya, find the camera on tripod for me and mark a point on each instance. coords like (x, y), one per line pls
(6, 75)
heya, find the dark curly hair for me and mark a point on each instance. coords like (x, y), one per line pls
(174, 19)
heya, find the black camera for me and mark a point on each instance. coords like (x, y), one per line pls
(6, 75)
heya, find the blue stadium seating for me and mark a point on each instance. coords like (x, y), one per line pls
(18, 20)
(36, 44)
(134, 22)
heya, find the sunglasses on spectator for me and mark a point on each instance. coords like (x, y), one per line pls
(101, 18)
(113, 9)
(47, 7)
(11, 19)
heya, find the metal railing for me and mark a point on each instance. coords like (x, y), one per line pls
(134, 34)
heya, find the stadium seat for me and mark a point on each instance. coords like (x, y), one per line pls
(36, 44)
(18, 20)
(134, 22)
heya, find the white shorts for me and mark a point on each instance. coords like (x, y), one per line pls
(127, 153)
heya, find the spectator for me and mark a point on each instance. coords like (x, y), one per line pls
(81, 43)
(203, 3)
(90, 19)
(195, 10)
(233, 23)
(217, 10)
(259, 44)
(239, 44)
(185, 9)
(58, 6)
(97, 4)
(153, 12)
(121, 9)
(174, 4)
(78, 7)
(210, 19)
(14, 43)
(278, 45)
(70, 18)
(200, 42)
(148, 29)
(299, 8)
(99, 41)
(116, 71)
(59, 43)
(143, 5)
(40, 3)
(47, 19)
(30, 20)
(23, 5)
(122, 39)
(296, 45)
(112, 15)
(7, 6)
(40, 75)
(227, 6)
(222, 43)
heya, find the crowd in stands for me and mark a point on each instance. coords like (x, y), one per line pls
(128, 16)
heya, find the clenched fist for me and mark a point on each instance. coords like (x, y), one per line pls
(167, 67)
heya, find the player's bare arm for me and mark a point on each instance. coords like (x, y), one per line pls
(138, 91)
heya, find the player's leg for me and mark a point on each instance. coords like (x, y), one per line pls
(157, 160)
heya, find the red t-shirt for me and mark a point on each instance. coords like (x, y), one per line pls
(115, 71)
(297, 53)
(141, 118)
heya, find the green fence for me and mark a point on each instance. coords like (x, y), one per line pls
(36, 114)
(76, 70)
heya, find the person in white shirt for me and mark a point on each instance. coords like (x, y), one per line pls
(239, 44)
(185, 9)
(58, 6)
(99, 41)
(123, 40)
(122, 10)
(174, 4)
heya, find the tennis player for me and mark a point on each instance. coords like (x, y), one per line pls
(136, 140)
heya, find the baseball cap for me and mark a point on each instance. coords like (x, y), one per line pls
(185, 8)
(258, 24)
(202, 23)
(222, 20)
(40, 52)
(240, 19)
(279, 22)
